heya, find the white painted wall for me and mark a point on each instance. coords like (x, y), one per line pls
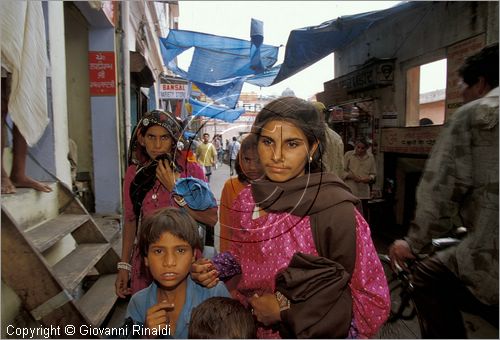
(58, 78)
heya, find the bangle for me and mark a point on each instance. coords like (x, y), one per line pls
(124, 265)
(180, 201)
(282, 301)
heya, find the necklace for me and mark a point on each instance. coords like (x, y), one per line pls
(155, 193)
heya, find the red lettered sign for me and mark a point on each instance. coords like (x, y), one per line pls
(102, 73)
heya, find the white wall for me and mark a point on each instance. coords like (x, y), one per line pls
(60, 110)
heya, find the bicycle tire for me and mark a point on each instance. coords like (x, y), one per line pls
(402, 306)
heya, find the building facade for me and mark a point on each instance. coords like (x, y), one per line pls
(376, 89)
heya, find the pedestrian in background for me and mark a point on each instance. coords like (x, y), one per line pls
(206, 154)
(360, 172)
(217, 142)
(333, 154)
(234, 148)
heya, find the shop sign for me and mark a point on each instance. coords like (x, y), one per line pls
(102, 73)
(389, 119)
(411, 140)
(195, 91)
(375, 74)
(173, 91)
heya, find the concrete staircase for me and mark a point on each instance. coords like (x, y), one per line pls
(57, 258)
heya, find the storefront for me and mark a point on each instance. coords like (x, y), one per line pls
(381, 98)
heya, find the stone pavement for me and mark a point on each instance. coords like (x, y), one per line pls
(217, 180)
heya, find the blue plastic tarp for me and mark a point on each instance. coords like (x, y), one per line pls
(308, 45)
(215, 111)
(219, 65)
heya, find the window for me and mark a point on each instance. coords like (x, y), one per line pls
(426, 94)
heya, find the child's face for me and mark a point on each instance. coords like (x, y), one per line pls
(169, 260)
(283, 150)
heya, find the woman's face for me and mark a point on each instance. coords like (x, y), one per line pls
(360, 149)
(284, 150)
(157, 141)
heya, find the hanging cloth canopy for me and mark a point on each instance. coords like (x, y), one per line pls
(219, 65)
(215, 111)
(309, 45)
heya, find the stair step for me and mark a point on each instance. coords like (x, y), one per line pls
(73, 268)
(117, 245)
(109, 226)
(47, 234)
(42, 205)
(99, 299)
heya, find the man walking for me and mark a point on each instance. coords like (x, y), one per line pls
(206, 154)
(234, 148)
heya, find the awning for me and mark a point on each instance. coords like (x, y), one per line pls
(308, 45)
(140, 73)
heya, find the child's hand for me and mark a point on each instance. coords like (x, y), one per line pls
(204, 273)
(157, 315)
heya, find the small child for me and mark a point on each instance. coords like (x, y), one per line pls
(167, 242)
(222, 318)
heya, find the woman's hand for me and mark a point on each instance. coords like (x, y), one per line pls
(166, 175)
(203, 272)
(157, 315)
(121, 284)
(266, 308)
(365, 180)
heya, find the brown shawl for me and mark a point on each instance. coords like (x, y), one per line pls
(321, 304)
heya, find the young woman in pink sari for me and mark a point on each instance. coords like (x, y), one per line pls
(307, 262)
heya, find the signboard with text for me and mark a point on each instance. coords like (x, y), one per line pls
(376, 73)
(173, 91)
(102, 73)
(412, 140)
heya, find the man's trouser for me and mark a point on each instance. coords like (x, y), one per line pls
(440, 296)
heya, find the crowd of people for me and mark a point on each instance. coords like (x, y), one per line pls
(283, 213)
(296, 255)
